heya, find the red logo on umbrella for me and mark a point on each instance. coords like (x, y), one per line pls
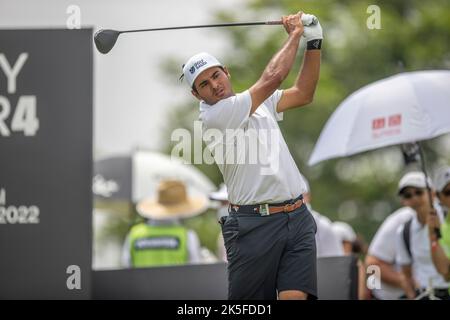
(378, 123)
(392, 121)
(386, 126)
(395, 120)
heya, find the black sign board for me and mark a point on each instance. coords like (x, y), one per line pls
(45, 164)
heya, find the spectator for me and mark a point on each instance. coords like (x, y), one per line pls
(413, 244)
(382, 253)
(440, 248)
(352, 245)
(161, 239)
(327, 242)
(346, 235)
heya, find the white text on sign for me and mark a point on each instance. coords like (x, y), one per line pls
(24, 118)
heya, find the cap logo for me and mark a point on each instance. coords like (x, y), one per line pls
(197, 65)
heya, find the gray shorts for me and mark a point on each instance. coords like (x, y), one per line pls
(269, 254)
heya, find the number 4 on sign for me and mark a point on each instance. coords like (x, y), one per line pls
(24, 118)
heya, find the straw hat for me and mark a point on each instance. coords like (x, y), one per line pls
(172, 202)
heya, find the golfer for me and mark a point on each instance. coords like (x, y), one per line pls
(269, 234)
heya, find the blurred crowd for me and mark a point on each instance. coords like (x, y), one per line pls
(410, 251)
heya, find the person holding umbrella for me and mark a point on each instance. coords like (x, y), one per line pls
(161, 240)
(270, 234)
(412, 244)
(440, 248)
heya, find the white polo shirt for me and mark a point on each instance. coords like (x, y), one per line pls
(328, 243)
(422, 263)
(383, 247)
(251, 154)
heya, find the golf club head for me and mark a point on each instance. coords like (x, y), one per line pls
(105, 40)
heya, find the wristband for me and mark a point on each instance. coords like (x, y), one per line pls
(315, 44)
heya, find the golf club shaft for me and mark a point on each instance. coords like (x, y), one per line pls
(209, 26)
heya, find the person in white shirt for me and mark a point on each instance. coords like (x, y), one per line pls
(346, 235)
(382, 252)
(413, 246)
(440, 248)
(328, 243)
(269, 233)
(353, 246)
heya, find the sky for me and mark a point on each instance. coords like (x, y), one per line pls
(132, 96)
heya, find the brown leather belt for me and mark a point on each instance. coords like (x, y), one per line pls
(267, 209)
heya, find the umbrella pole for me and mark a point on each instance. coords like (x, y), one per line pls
(437, 231)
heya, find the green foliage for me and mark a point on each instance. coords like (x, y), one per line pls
(414, 35)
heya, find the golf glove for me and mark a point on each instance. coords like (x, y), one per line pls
(312, 31)
(308, 19)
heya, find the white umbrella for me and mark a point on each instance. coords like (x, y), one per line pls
(404, 108)
(136, 176)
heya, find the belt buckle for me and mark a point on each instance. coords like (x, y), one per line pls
(264, 209)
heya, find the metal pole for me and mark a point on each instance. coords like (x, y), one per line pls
(437, 231)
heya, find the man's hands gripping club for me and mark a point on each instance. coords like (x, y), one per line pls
(293, 24)
(302, 92)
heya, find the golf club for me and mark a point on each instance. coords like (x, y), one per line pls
(105, 39)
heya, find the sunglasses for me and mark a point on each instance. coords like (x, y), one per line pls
(409, 195)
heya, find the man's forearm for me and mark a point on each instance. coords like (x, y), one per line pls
(281, 63)
(408, 282)
(302, 92)
(440, 260)
(279, 66)
(388, 273)
(390, 276)
(408, 288)
(309, 73)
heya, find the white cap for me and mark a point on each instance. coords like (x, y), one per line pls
(221, 194)
(197, 64)
(344, 231)
(414, 179)
(442, 178)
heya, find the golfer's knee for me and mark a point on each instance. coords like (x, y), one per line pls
(292, 295)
